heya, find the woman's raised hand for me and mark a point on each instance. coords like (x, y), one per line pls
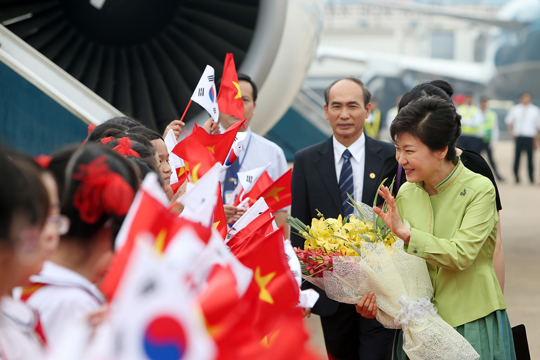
(391, 218)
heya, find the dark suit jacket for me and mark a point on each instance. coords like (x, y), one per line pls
(315, 186)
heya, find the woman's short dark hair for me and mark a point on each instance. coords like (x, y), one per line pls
(365, 90)
(432, 120)
(440, 88)
(80, 230)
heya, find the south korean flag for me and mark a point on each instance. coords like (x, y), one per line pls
(205, 93)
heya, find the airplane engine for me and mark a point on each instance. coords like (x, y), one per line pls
(145, 57)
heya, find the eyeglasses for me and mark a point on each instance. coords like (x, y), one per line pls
(61, 221)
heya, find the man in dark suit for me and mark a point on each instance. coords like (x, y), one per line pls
(348, 162)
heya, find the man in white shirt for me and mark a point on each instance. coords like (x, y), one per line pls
(523, 122)
(257, 152)
(351, 163)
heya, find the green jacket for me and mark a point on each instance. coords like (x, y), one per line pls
(455, 232)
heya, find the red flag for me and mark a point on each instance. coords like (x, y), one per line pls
(229, 96)
(219, 145)
(262, 183)
(198, 160)
(148, 216)
(260, 221)
(228, 316)
(276, 286)
(278, 195)
(288, 342)
(220, 220)
(244, 243)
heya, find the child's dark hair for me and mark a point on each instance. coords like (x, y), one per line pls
(432, 120)
(144, 168)
(139, 148)
(124, 120)
(22, 194)
(146, 132)
(58, 166)
(118, 134)
(103, 196)
(98, 133)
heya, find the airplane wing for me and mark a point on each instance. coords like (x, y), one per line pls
(428, 9)
(394, 64)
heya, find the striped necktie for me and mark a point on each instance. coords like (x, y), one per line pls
(346, 185)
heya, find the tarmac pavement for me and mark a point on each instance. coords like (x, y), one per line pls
(520, 221)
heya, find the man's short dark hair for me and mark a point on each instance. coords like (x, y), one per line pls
(365, 90)
(244, 77)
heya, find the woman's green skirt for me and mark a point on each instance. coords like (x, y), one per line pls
(491, 337)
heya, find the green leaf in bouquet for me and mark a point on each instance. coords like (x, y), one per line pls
(380, 223)
(365, 238)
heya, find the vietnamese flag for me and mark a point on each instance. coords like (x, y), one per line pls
(278, 195)
(260, 185)
(147, 216)
(220, 220)
(219, 145)
(229, 96)
(197, 159)
(275, 284)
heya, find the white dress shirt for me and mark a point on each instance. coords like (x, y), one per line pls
(67, 297)
(18, 338)
(525, 120)
(358, 162)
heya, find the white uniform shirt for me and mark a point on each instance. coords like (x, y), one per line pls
(358, 161)
(67, 297)
(257, 152)
(18, 339)
(525, 119)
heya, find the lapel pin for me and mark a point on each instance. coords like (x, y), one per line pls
(463, 192)
(372, 175)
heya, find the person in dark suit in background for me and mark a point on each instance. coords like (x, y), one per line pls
(348, 162)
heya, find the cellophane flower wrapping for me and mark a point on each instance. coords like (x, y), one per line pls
(403, 289)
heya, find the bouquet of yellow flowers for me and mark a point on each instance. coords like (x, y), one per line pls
(326, 238)
(351, 257)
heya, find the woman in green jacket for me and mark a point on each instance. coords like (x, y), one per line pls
(453, 219)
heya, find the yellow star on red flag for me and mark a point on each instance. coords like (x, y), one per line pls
(274, 193)
(262, 282)
(237, 86)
